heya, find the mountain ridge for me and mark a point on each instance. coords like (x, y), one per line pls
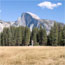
(29, 19)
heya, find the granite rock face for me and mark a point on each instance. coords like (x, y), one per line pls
(28, 19)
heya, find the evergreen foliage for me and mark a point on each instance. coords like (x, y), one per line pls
(18, 36)
(26, 40)
(42, 36)
(34, 35)
(63, 36)
(53, 37)
(60, 29)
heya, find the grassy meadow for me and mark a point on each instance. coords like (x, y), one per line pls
(29, 55)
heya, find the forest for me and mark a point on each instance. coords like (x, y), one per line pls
(22, 36)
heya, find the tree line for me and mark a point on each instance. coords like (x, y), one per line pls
(22, 36)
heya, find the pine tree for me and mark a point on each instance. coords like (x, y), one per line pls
(19, 36)
(42, 36)
(60, 29)
(9, 37)
(0, 39)
(23, 34)
(34, 35)
(63, 36)
(26, 40)
(53, 37)
(13, 33)
(4, 37)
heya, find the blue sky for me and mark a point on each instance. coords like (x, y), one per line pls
(10, 10)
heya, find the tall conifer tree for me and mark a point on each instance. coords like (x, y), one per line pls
(34, 35)
(63, 39)
(60, 29)
(27, 36)
(53, 37)
(42, 36)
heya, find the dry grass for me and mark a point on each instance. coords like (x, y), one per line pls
(32, 55)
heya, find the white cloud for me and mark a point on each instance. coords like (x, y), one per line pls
(49, 5)
(59, 4)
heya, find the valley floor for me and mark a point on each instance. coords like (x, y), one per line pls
(29, 55)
